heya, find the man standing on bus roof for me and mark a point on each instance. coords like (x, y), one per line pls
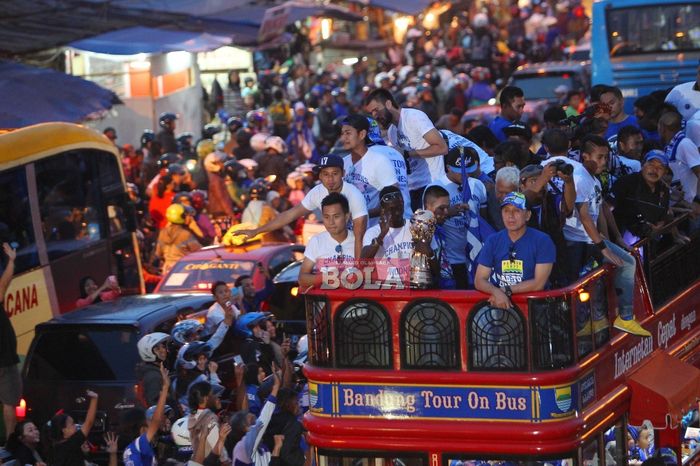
(686, 97)
(516, 259)
(411, 131)
(330, 174)
(512, 100)
(612, 98)
(369, 171)
(10, 381)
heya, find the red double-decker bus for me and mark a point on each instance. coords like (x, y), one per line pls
(440, 378)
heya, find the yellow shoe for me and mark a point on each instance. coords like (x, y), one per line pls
(586, 330)
(630, 326)
(599, 325)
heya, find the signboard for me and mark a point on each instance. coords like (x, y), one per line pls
(458, 403)
(274, 22)
(27, 304)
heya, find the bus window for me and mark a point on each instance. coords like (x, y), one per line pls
(496, 339)
(365, 459)
(455, 460)
(15, 218)
(363, 336)
(112, 191)
(653, 28)
(551, 330)
(590, 453)
(429, 336)
(69, 203)
(318, 317)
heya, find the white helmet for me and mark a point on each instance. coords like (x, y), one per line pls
(148, 342)
(381, 76)
(257, 142)
(480, 20)
(249, 164)
(180, 433)
(276, 143)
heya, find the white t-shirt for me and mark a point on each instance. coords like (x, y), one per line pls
(588, 190)
(399, 164)
(215, 315)
(687, 157)
(455, 140)
(456, 228)
(398, 242)
(413, 125)
(356, 200)
(323, 246)
(369, 175)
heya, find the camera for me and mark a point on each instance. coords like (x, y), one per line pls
(563, 167)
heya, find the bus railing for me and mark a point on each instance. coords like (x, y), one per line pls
(455, 330)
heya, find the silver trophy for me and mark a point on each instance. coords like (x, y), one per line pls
(422, 229)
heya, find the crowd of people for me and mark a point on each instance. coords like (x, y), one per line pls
(518, 206)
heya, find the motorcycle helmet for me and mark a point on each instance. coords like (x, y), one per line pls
(166, 118)
(146, 344)
(182, 331)
(246, 322)
(147, 136)
(204, 148)
(175, 214)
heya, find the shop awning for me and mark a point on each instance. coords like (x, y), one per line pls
(33, 95)
(135, 40)
(663, 390)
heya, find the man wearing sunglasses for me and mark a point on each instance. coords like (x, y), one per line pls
(337, 243)
(517, 259)
(391, 238)
(330, 173)
(368, 170)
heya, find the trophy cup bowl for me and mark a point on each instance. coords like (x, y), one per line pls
(422, 228)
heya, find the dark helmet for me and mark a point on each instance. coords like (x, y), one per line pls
(194, 349)
(258, 190)
(183, 196)
(185, 138)
(234, 124)
(147, 136)
(231, 168)
(210, 130)
(165, 118)
(166, 159)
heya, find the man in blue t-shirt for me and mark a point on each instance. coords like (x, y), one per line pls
(612, 98)
(514, 260)
(512, 102)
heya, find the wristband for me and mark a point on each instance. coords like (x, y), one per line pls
(508, 291)
(601, 246)
(377, 242)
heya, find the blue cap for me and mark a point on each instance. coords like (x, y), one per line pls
(515, 199)
(656, 155)
(375, 134)
(331, 160)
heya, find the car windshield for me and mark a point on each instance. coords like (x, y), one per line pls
(290, 274)
(200, 275)
(84, 354)
(541, 86)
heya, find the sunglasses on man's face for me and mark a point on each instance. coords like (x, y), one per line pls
(391, 196)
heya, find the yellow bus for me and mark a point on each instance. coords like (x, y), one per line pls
(64, 205)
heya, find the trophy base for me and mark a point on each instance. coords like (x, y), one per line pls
(420, 281)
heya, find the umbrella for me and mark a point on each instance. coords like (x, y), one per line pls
(30, 95)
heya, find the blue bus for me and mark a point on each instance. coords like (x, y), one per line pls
(644, 45)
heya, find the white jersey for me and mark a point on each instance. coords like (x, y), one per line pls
(398, 242)
(323, 246)
(399, 164)
(369, 175)
(409, 135)
(358, 208)
(686, 158)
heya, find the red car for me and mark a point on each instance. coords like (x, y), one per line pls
(196, 272)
